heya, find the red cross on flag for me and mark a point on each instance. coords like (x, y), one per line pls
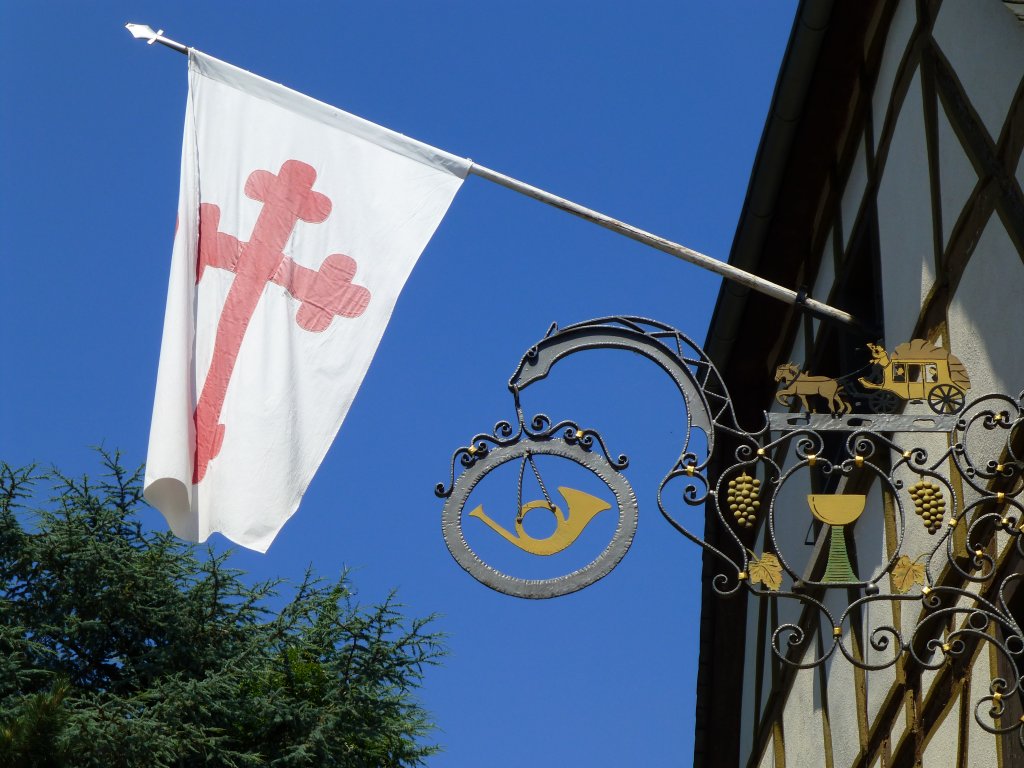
(298, 225)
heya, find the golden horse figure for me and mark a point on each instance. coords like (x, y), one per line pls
(582, 509)
(799, 384)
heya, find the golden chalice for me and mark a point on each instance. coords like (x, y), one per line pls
(837, 510)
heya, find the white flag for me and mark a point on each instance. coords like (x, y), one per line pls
(298, 225)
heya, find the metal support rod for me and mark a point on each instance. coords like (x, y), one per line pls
(726, 270)
(721, 268)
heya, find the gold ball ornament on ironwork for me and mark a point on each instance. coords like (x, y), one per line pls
(929, 504)
(743, 499)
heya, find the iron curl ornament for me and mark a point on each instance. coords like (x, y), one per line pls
(941, 482)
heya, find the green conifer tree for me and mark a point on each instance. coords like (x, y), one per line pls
(121, 646)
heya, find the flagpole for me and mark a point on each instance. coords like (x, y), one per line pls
(721, 268)
(724, 269)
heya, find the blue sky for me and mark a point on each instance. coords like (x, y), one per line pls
(650, 112)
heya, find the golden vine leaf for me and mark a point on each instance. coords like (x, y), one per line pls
(906, 573)
(766, 570)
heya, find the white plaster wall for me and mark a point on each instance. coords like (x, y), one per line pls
(987, 310)
(957, 177)
(869, 533)
(792, 515)
(879, 682)
(980, 745)
(872, 556)
(802, 723)
(899, 728)
(905, 221)
(965, 29)
(792, 519)
(768, 757)
(916, 538)
(797, 355)
(987, 313)
(826, 278)
(769, 659)
(853, 191)
(900, 28)
(941, 749)
(842, 699)
(984, 445)
(929, 677)
(748, 717)
(987, 304)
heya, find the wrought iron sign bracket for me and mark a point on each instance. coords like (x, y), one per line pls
(857, 422)
(948, 511)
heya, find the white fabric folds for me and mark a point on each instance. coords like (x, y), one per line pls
(298, 225)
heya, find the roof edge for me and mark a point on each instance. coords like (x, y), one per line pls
(784, 113)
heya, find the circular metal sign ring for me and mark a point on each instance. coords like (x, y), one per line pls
(599, 567)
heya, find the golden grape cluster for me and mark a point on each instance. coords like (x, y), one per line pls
(743, 499)
(929, 504)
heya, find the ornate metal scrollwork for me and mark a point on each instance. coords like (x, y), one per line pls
(950, 512)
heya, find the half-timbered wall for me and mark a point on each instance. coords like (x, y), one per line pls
(923, 216)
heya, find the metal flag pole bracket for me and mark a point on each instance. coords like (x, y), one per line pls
(949, 509)
(721, 268)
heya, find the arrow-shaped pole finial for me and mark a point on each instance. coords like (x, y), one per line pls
(145, 32)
